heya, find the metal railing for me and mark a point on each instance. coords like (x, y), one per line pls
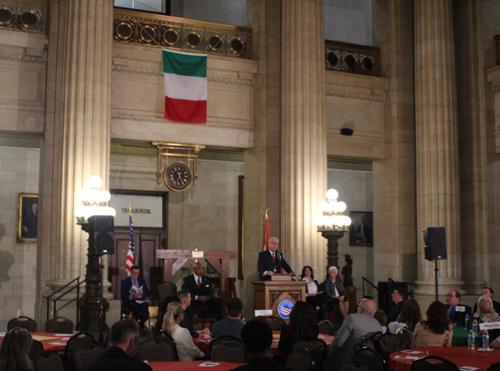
(54, 300)
(26, 16)
(370, 283)
(359, 59)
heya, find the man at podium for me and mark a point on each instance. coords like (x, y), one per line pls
(272, 261)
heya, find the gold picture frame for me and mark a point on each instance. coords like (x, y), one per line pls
(27, 217)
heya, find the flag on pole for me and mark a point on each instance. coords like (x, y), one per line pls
(131, 250)
(266, 233)
(185, 86)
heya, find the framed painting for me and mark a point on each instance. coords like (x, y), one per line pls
(361, 229)
(27, 217)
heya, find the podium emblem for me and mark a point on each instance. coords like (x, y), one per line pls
(284, 308)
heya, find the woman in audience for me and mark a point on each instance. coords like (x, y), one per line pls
(381, 318)
(186, 349)
(335, 292)
(302, 324)
(435, 331)
(313, 294)
(409, 317)
(14, 350)
(485, 310)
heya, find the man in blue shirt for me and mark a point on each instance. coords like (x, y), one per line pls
(231, 325)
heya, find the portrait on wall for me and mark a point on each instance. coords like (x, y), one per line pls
(361, 229)
(27, 217)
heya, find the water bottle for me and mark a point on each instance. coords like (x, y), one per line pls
(475, 327)
(466, 321)
(486, 340)
(471, 339)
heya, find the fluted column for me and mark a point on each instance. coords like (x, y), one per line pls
(76, 141)
(438, 192)
(303, 138)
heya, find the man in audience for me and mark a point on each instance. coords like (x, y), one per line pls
(488, 291)
(348, 340)
(231, 325)
(200, 287)
(399, 296)
(133, 291)
(272, 261)
(457, 311)
(123, 346)
(185, 299)
(257, 339)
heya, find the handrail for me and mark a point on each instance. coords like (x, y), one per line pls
(54, 301)
(371, 283)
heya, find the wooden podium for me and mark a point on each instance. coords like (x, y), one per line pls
(272, 290)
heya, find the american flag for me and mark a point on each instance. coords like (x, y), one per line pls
(286, 311)
(131, 249)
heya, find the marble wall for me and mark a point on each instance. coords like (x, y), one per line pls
(349, 21)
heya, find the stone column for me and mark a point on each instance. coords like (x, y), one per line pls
(303, 132)
(438, 191)
(76, 141)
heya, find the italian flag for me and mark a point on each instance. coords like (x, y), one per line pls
(185, 86)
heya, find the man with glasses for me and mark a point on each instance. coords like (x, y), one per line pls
(133, 291)
(457, 311)
(272, 261)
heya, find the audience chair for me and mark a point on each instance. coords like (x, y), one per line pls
(388, 345)
(74, 342)
(60, 325)
(372, 359)
(48, 361)
(371, 341)
(405, 335)
(165, 289)
(275, 323)
(23, 322)
(157, 350)
(325, 327)
(494, 367)
(356, 365)
(85, 351)
(316, 347)
(222, 339)
(36, 348)
(300, 360)
(229, 351)
(423, 364)
(169, 340)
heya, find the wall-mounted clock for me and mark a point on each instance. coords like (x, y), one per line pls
(177, 176)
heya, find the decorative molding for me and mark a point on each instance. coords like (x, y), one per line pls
(23, 58)
(375, 98)
(228, 80)
(19, 142)
(20, 109)
(25, 16)
(117, 120)
(337, 163)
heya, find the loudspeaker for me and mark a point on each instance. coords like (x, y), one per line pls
(435, 243)
(101, 235)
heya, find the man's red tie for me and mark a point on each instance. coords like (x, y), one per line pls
(199, 281)
(274, 259)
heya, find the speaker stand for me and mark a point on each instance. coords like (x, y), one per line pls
(436, 270)
(101, 303)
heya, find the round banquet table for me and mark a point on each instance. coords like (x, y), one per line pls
(53, 342)
(461, 356)
(191, 366)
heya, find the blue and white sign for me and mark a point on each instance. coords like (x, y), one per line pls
(284, 308)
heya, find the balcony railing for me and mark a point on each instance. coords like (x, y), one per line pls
(181, 34)
(344, 57)
(26, 16)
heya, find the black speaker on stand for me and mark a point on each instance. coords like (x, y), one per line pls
(435, 249)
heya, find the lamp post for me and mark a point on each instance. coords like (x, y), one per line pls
(94, 202)
(332, 224)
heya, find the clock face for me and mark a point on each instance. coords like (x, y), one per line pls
(177, 176)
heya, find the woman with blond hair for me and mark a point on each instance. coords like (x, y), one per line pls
(485, 310)
(14, 350)
(186, 349)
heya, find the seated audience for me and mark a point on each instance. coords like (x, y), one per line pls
(381, 317)
(399, 296)
(14, 350)
(302, 324)
(257, 339)
(231, 325)
(313, 294)
(185, 300)
(488, 291)
(186, 349)
(457, 311)
(435, 331)
(408, 318)
(123, 346)
(348, 340)
(495, 343)
(485, 310)
(133, 291)
(335, 292)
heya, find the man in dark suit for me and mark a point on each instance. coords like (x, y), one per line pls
(272, 261)
(457, 311)
(364, 232)
(133, 291)
(200, 287)
(123, 346)
(488, 291)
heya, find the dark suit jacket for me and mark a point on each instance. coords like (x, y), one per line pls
(459, 317)
(114, 358)
(205, 288)
(266, 263)
(126, 284)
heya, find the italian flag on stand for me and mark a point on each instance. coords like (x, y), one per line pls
(185, 86)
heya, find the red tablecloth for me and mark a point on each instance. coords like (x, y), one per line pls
(461, 356)
(54, 342)
(204, 343)
(191, 366)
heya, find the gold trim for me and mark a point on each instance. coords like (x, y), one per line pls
(218, 45)
(234, 51)
(20, 207)
(18, 9)
(186, 38)
(173, 30)
(120, 35)
(25, 25)
(167, 180)
(151, 34)
(9, 10)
